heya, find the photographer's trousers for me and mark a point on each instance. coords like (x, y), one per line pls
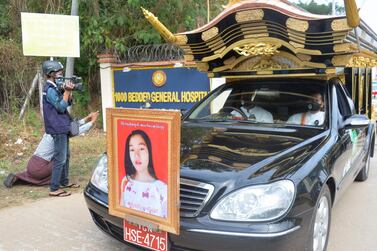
(60, 161)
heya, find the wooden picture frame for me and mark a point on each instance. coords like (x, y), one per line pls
(135, 192)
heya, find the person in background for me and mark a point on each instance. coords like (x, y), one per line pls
(39, 168)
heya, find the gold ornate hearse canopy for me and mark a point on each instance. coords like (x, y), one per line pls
(256, 36)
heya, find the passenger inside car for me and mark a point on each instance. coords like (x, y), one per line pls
(267, 103)
(251, 110)
(314, 114)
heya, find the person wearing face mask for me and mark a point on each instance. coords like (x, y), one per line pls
(253, 111)
(140, 188)
(314, 116)
(56, 99)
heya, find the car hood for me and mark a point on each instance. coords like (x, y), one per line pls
(225, 154)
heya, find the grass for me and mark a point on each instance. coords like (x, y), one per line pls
(85, 151)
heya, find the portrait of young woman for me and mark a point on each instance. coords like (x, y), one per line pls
(140, 187)
(143, 148)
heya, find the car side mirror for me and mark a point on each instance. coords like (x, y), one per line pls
(356, 121)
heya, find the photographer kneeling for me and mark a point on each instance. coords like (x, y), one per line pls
(39, 168)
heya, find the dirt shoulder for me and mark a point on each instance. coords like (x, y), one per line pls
(17, 146)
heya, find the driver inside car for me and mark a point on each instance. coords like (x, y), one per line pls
(252, 111)
(314, 116)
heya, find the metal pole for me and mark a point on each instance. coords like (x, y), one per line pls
(208, 11)
(333, 7)
(70, 61)
(40, 90)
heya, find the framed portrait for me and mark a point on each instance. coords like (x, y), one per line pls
(143, 148)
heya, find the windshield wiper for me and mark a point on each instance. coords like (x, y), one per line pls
(249, 122)
(214, 120)
(261, 123)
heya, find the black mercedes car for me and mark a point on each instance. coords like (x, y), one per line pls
(262, 163)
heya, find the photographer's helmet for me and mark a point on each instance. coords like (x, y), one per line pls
(51, 66)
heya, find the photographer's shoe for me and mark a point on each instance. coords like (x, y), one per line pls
(10, 179)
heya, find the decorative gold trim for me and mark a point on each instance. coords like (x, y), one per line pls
(262, 63)
(357, 61)
(345, 47)
(257, 35)
(230, 60)
(330, 71)
(214, 158)
(292, 36)
(284, 58)
(160, 27)
(361, 90)
(353, 18)
(262, 40)
(201, 66)
(249, 15)
(304, 57)
(257, 49)
(340, 24)
(188, 57)
(181, 39)
(220, 50)
(296, 24)
(312, 75)
(354, 61)
(208, 34)
(340, 60)
(297, 45)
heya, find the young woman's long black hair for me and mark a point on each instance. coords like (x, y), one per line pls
(128, 166)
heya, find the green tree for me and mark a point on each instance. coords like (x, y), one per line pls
(321, 9)
(114, 26)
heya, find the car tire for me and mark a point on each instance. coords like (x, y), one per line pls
(320, 227)
(364, 172)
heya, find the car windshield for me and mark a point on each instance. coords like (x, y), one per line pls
(282, 103)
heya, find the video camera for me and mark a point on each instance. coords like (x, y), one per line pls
(77, 82)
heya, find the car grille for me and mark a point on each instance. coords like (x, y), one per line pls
(193, 196)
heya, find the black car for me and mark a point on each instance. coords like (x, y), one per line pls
(262, 163)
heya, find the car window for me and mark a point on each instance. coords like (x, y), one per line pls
(264, 103)
(343, 101)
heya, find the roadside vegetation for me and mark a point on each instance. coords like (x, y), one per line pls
(18, 143)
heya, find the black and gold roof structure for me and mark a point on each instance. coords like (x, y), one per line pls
(271, 37)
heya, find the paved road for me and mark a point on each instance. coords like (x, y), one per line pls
(64, 223)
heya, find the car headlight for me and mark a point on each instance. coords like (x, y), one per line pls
(256, 203)
(99, 176)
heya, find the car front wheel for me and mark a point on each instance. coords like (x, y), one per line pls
(321, 225)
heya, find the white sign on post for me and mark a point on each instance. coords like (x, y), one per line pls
(50, 35)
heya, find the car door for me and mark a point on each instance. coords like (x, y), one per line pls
(351, 140)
